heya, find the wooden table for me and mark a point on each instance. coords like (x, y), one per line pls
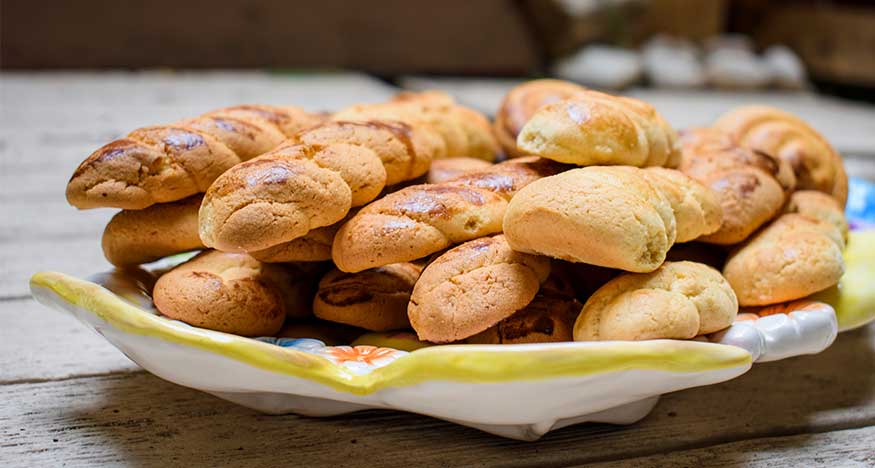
(69, 398)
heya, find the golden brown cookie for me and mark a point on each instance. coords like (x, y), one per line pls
(606, 216)
(679, 300)
(472, 287)
(315, 246)
(423, 219)
(521, 103)
(752, 186)
(821, 206)
(443, 170)
(814, 161)
(463, 131)
(133, 237)
(791, 258)
(594, 128)
(233, 293)
(170, 162)
(373, 299)
(549, 318)
(696, 208)
(312, 182)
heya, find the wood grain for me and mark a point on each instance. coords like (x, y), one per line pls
(115, 418)
(852, 447)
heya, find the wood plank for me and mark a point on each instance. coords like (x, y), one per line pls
(80, 256)
(37, 343)
(139, 419)
(852, 447)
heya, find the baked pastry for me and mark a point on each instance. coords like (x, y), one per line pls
(170, 162)
(375, 299)
(818, 205)
(679, 300)
(696, 208)
(752, 185)
(794, 256)
(472, 287)
(442, 170)
(315, 246)
(521, 103)
(611, 216)
(312, 182)
(816, 164)
(549, 318)
(465, 132)
(594, 128)
(234, 293)
(133, 237)
(423, 219)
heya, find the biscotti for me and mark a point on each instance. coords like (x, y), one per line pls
(472, 287)
(374, 300)
(616, 217)
(442, 170)
(234, 293)
(752, 186)
(594, 128)
(817, 165)
(521, 103)
(549, 318)
(133, 237)
(423, 219)
(170, 162)
(679, 300)
(791, 258)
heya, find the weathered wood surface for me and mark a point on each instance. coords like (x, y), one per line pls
(141, 420)
(71, 398)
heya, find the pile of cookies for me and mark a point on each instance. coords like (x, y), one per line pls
(599, 223)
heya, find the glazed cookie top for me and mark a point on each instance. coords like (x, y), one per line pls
(521, 103)
(594, 128)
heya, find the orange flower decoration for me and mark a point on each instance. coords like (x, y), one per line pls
(364, 353)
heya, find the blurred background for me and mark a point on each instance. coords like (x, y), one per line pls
(729, 44)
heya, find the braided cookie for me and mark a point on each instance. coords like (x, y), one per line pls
(594, 128)
(752, 186)
(821, 206)
(442, 170)
(472, 287)
(611, 216)
(373, 299)
(423, 219)
(549, 318)
(679, 300)
(464, 131)
(791, 258)
(170, 162)
(521, 103)
(234, 293)
(817, 165)
(133, 237)
(312, 182)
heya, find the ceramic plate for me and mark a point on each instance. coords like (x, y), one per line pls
(475, 385)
